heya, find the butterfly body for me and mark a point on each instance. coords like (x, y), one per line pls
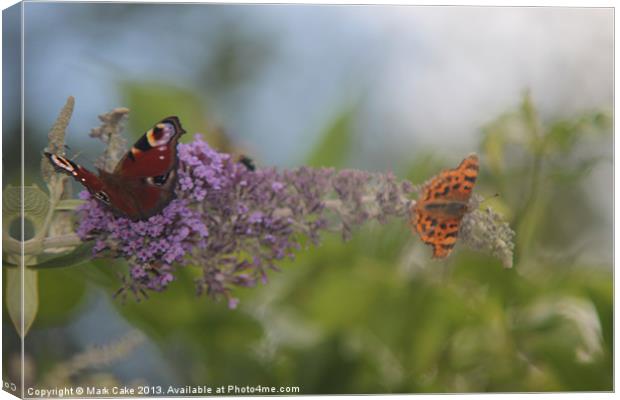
(143, 181)
(437, 214)
(445, 208)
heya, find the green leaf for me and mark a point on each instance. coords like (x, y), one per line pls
(562, 135)
(532, 122)
(10, 260)
(81, 254)
(334, 146)
(59, 307)
(13, 291)
(493, 143)
(570, 175)
(36, 205)
(152, 101)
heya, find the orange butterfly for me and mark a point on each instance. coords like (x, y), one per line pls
(437, 214)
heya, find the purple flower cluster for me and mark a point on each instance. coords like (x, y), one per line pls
(235, 224)
(151, 246)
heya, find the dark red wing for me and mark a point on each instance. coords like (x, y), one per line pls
(155, 153)
(62, 164)
(137, 198)
(97, 186)
(143, 182)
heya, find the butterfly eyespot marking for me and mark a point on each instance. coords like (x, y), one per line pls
(103, 196)
(62, 163)
(158, 180)
(160, 134)
(161, 179)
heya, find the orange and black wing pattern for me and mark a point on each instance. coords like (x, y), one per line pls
(437, 215)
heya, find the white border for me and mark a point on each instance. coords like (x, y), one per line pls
(483, 3)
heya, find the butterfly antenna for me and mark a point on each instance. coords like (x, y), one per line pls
(491, 197)
(76, 156)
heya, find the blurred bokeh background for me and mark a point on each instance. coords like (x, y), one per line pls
(408, 89)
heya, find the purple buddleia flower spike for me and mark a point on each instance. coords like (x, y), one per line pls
(236, 224)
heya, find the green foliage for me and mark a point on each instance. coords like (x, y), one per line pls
(553, 161)
(58, 307)
(28, 213)
(163, 100)
(35, 205)
(21, 289)
(74, 258)
(21, 298)
(336, 140)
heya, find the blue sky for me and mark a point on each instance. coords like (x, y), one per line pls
(429, 76)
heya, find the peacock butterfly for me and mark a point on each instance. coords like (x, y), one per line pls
(143, 181)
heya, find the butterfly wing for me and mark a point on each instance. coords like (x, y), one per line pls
(462, 179)
(155, 153)
(135, 198)
(98, 186)
(438, 231)
(62, 164)
(453, 184)
(147, 173)
(143, 182)
(443, 203)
